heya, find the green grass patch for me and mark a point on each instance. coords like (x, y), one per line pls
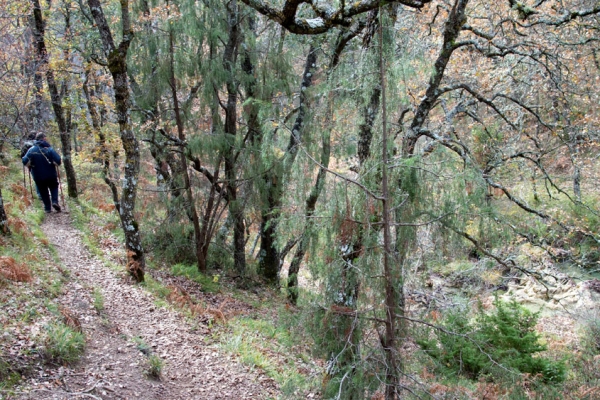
(8, 377)
(141, 345)
(155, 366)
(98, 300)
(155, 287)
(63, 344)
(259, 343)
(209, 284)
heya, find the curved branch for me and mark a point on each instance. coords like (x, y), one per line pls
(567, 17)
(326, 16)
(452, 29)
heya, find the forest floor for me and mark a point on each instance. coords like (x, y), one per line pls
(125, 331)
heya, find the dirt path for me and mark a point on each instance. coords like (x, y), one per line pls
(113, 366)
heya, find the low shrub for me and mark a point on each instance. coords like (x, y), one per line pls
(492, 344)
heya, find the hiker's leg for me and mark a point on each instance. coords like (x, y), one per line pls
(44, 194)
(53, 186)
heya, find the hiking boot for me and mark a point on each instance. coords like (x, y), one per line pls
(56, 207)
(47, 211)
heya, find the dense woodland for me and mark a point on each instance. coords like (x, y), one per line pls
(387, 167)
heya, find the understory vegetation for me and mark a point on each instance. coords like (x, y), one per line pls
(498, 349)
(35, 329)
(504, 339)
(359, 200)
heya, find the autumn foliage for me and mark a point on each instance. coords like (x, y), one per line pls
(179, 296)
(13, 271)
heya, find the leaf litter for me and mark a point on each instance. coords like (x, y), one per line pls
(114, 365)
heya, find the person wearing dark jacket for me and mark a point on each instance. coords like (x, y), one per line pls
(42, 160)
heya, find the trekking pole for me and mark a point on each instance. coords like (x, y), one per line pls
(62, 196)
(24, 181)
(30, 186)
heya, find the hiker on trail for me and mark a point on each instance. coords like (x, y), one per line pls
(42, 160)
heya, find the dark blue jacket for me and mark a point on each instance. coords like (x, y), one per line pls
(42, 160)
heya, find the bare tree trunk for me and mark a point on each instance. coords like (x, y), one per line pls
(236, 207)
(65, 135)
(573, 150)
(37, 115)
(311, 201)
(183, 159)
(366, 128)
(39, 112)
(391, 277)
(577, 182)
(90, 94)
(405, 236)
(209, 219)
(117, 65)
(269, 259)
(4, 229)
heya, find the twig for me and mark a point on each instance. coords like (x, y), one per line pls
(360, 185)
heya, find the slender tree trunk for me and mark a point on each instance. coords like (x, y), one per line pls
(209, 220)
(183, 159)
(573, 150)
(236, 206)
(56, 100)
(406, 236)
(392, 278)
(117, 65)
(37, 115)
(4, 229)
(166, 161)
(577, 182)
(90, 93)
(269, 259)
(39, 112)
(311, 201)
(365, 134)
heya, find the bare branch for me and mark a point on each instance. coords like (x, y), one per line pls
(326, 16)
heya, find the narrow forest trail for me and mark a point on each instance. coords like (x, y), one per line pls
(113, 367)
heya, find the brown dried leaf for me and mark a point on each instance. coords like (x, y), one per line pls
(11, 270)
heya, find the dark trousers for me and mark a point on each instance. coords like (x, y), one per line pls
(48, 191)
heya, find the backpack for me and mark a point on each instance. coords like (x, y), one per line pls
(26, 146)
